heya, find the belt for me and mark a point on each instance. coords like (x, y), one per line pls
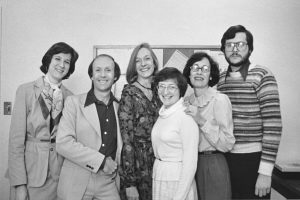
(208, 152)
(52, 140)
(167, 160)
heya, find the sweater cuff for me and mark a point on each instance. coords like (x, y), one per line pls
(265, 168)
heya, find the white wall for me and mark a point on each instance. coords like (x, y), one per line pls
(30, 27)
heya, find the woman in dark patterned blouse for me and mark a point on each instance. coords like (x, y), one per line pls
(138, 112)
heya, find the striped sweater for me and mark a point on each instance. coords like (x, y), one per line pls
(256, 113)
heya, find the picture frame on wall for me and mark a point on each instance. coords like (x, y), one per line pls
(167, 55)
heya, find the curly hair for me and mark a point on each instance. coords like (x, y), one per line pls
(214, 68)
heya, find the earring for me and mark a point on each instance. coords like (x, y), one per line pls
(210, 78)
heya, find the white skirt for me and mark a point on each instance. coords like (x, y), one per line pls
(165, 190)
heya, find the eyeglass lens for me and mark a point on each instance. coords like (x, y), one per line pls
(239, 45)
(203, 68)
(170, 88)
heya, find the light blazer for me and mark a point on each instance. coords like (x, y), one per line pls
(79, 140)
(28, 161)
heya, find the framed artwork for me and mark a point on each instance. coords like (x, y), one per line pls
(167, 55)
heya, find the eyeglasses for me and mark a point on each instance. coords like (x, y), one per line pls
(241, 46)
(196, 68)
(170, 88)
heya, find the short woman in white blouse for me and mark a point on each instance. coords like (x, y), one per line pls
(213, 113)
(175, 140)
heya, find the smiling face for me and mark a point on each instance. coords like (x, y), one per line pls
(103, 74)
(200, 78)
(144, 63)
(58, 67)
(236, 57)
(168, 92)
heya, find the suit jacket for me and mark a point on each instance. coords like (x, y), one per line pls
(28, 159)
(78, 141)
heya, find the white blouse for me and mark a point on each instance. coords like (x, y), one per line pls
(217, 132)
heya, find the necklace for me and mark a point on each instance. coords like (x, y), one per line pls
(143, 86)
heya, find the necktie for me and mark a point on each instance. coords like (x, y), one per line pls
(51, 102)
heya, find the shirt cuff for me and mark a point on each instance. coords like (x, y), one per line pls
(265, 168)
(210, 126)
(132, 192)
(102, 164)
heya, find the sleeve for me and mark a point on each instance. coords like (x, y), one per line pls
(67, 144)
(268, 96)
(189, 134)
(218, 130)
(127, 128)
(17, 133)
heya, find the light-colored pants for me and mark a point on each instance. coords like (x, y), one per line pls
(101, 187)
(48, 191)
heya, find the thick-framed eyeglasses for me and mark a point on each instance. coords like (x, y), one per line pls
(241, 46)
(170, 88)
(196, 68)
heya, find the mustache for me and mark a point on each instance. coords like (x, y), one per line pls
(235, 54)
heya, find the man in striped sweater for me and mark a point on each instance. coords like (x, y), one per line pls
(253, 92)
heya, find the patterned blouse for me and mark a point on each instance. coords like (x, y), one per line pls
(137, 116)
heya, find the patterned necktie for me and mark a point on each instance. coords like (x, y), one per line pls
(51, 102)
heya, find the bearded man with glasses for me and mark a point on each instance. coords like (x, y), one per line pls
(253, 92)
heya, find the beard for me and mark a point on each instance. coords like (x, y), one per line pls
(240, 63)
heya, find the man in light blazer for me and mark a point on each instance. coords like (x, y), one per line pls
(89, 138)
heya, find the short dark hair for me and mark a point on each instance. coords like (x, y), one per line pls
(172, 73)
(230, 33)
(214, 68)
(57, 48)
(117, 67)
(131, 74)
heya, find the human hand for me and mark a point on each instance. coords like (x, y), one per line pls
(21, 192)
(186, 101)
(191, 110)
(263, 185)
(110, 166)
(132, 193)
(196, 114)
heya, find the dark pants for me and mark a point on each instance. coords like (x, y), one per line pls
(243, 170)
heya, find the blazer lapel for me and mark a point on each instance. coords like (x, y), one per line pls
(91, 115)
(38, 85)
(45, 108)
(119, 137)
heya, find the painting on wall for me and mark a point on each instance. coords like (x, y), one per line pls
(167, 55)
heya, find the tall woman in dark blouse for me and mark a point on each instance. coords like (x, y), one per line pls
(138, 112)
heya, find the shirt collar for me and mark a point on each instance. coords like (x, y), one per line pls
(91, 98)
(243, 70)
